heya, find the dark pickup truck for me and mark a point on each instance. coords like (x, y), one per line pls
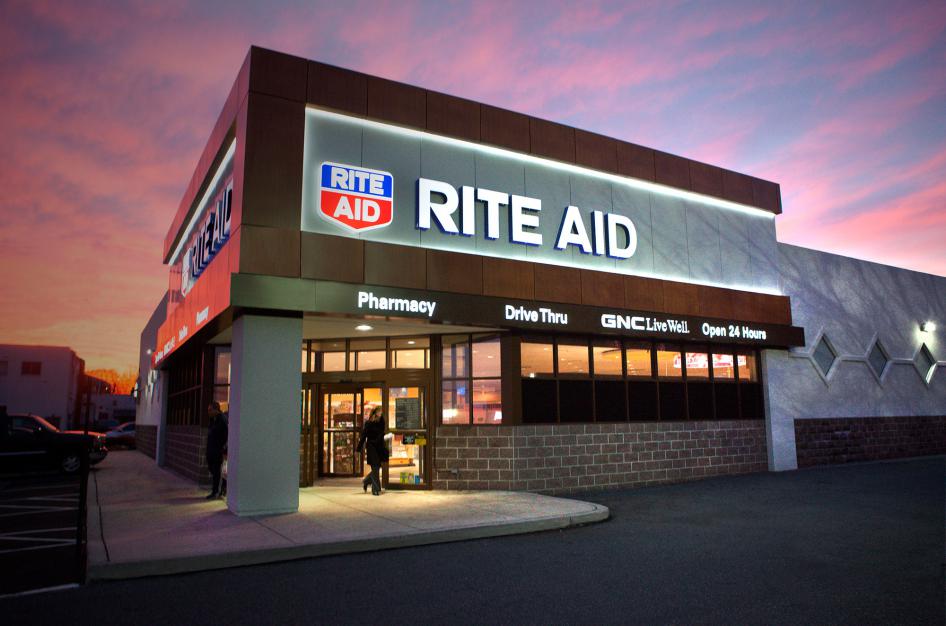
(30, 442)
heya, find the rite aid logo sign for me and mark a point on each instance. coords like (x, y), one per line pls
(356, 198)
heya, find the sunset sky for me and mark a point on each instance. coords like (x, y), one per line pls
(105, 107)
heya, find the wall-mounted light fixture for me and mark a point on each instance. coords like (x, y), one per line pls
(927, 327)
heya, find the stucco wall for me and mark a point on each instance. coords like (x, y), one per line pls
(853, 303)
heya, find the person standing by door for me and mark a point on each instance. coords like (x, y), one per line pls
(372, 440)
(216, 444)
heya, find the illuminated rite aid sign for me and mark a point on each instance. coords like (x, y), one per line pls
(213, 231)
(360, 199)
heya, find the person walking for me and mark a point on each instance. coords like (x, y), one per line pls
(216, 444)
(372, 440)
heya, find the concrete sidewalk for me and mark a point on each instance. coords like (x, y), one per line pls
(146, 521)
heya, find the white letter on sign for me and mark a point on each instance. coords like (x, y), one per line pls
(572, 231)
(442, 211)
(614, 250)
(519, 221)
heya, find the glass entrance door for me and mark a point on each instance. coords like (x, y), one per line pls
(407, 423)
(343, 409)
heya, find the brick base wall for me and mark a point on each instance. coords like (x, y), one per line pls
(184, 452)
(146, 439)
(560, 458)
(843, 440)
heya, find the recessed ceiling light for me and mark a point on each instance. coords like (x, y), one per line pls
(364, 327)
(411, 342)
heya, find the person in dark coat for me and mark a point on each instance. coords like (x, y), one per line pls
(372, 440)
(216, 444)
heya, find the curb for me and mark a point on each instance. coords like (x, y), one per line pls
(222, 560)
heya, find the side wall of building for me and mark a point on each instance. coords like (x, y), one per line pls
(51, 393)
(149, 410)
(854, 304)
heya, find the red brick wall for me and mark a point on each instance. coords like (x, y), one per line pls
(184, 452)
(569, 457)
(146, 438)
(843, 440)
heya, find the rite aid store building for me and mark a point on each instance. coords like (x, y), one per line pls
(534, 306)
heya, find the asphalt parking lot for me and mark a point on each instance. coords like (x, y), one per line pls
(856, 544)
(38, 525)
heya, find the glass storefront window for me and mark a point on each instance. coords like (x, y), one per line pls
(638, 361)
(607, 358)
(331, 354)
(456, 356)
(367, 354)
(406, 409)
(455, 402)
(222, 395)
(669, 362)
(697, 365)
(723, 368)
(333, 362)
(222, 366)
(486, 360)
(409, 359)
(537, 359)
(367, 360)
(410, 353)
(487, 401)
(746, 365)
(572, 359)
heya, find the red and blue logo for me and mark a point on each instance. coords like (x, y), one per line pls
(355, 198)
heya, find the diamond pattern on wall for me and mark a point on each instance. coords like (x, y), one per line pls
(924, 363)
(878, 359)
(824, 355)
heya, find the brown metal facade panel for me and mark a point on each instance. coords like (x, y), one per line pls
(395, 266)
(644, 294)
(272, 188)
(503, 128)
(596, 151)
(452, 116)
(398, 103)
(269, 251)
(635, 161)
(506, 278)
(326, 257)
(451, 271)
(277, 74)
(671, 170)
(552, 140)
(715, 302)
(766, 195)
(737, 187)
(778, 309)
(682, 298)
(602, 289)
(337, 88)
(707, 179)
(557, 284)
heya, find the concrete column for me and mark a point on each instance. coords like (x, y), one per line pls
(160, 445)
(779, 427)
(265, 379)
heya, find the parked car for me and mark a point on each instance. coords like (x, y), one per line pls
(122, 436)
(28, 441)
(105, 425)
